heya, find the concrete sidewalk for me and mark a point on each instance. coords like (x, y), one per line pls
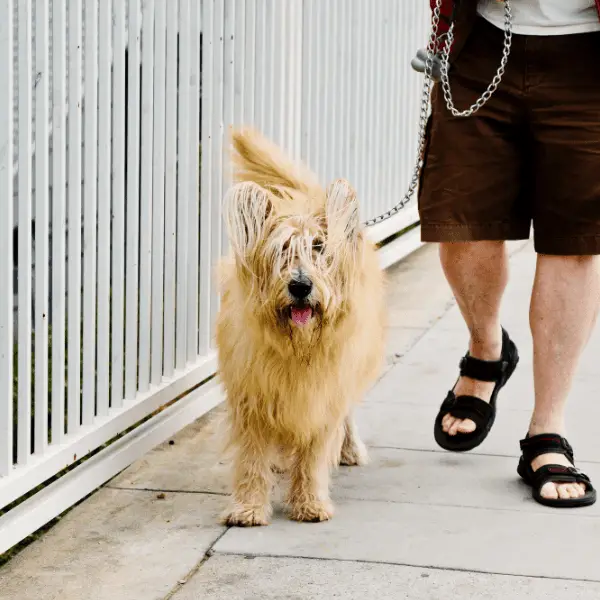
(417, 523)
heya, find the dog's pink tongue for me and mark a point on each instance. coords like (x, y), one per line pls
(301, 316)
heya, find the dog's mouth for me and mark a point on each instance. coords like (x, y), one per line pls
(301, 315)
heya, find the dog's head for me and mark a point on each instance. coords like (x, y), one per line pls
(295, 253)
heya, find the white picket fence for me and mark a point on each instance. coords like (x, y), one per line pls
(119, 112)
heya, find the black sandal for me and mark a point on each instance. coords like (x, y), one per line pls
(551, 443)
(480, 412)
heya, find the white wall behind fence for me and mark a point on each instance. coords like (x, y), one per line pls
(113, 135)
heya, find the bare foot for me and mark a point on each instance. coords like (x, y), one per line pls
(472, 387)
(554, 491)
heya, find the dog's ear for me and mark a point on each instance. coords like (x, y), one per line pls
(246, 211)
(341, 210)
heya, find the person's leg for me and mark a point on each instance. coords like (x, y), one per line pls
(564, 307)
(471, 200)
(566, 220)
(477, 272)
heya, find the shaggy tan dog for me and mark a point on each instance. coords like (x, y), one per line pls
(300, 332)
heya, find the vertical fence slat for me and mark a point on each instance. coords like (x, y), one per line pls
(352, 83)
(42, 201)
(158, 191)
(6, 224)
(268, 64)
(217, 148)
(364, 110)
(259, 62)
(147, 142)
(307, 82)
(90, 190)
(183, 175)
(388, 196)
(241, 16)
(170, 187)
(228, 98)
(104, 203)
(249, 54)
(378, 105)
(277, 54)
(133, 199)
(25, 233)
(206, 178)
(118, 205)
(193, 193)
(397, 146)
(329, 100)
(59, 221)
(74, 217)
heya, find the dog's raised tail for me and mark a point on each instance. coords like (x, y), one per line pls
(257, 159)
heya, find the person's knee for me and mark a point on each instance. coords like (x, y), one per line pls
(483, 249)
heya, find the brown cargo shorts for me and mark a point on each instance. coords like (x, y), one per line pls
(530, 156)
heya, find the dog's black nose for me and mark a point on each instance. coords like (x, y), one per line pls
(300, 288)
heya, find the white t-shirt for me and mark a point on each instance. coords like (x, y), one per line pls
(544, 17)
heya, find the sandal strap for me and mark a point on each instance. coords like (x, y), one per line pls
(545, 443)
(468, 407)
(492, 371)
(559, 474)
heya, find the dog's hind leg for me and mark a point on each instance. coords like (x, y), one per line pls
(309, 491)
(252, 483)
(353, 452)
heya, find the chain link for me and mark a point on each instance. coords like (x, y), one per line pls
(445, 81)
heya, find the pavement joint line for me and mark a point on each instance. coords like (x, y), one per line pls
(472, 453)
(571, 515)
(207, 555)
(404, 564)
(164, 490)
(396, 357)
(436, 451)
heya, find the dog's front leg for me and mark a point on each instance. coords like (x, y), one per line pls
(252, 482)
(353, 452)
(309, 492)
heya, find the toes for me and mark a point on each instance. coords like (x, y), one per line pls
(549, 491)
(563, 492)
(456, 426)
(573, 490)
(447, 422)
(466, 426)
(453, 426)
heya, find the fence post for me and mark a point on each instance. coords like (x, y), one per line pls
(6, 224)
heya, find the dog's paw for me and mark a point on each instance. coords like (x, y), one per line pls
(245, 516)
(314, 511)
(354, 455)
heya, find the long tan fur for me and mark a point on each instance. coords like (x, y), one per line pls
(291, 388)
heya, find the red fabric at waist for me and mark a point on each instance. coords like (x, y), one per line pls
(448, 9)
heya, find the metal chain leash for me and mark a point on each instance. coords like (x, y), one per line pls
(445, 81)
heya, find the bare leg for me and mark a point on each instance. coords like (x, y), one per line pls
(564, 307)
(309, 491)
(353, 452)
(253, 479)
(477, 273)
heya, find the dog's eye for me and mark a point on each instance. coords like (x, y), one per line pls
(318, 245)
